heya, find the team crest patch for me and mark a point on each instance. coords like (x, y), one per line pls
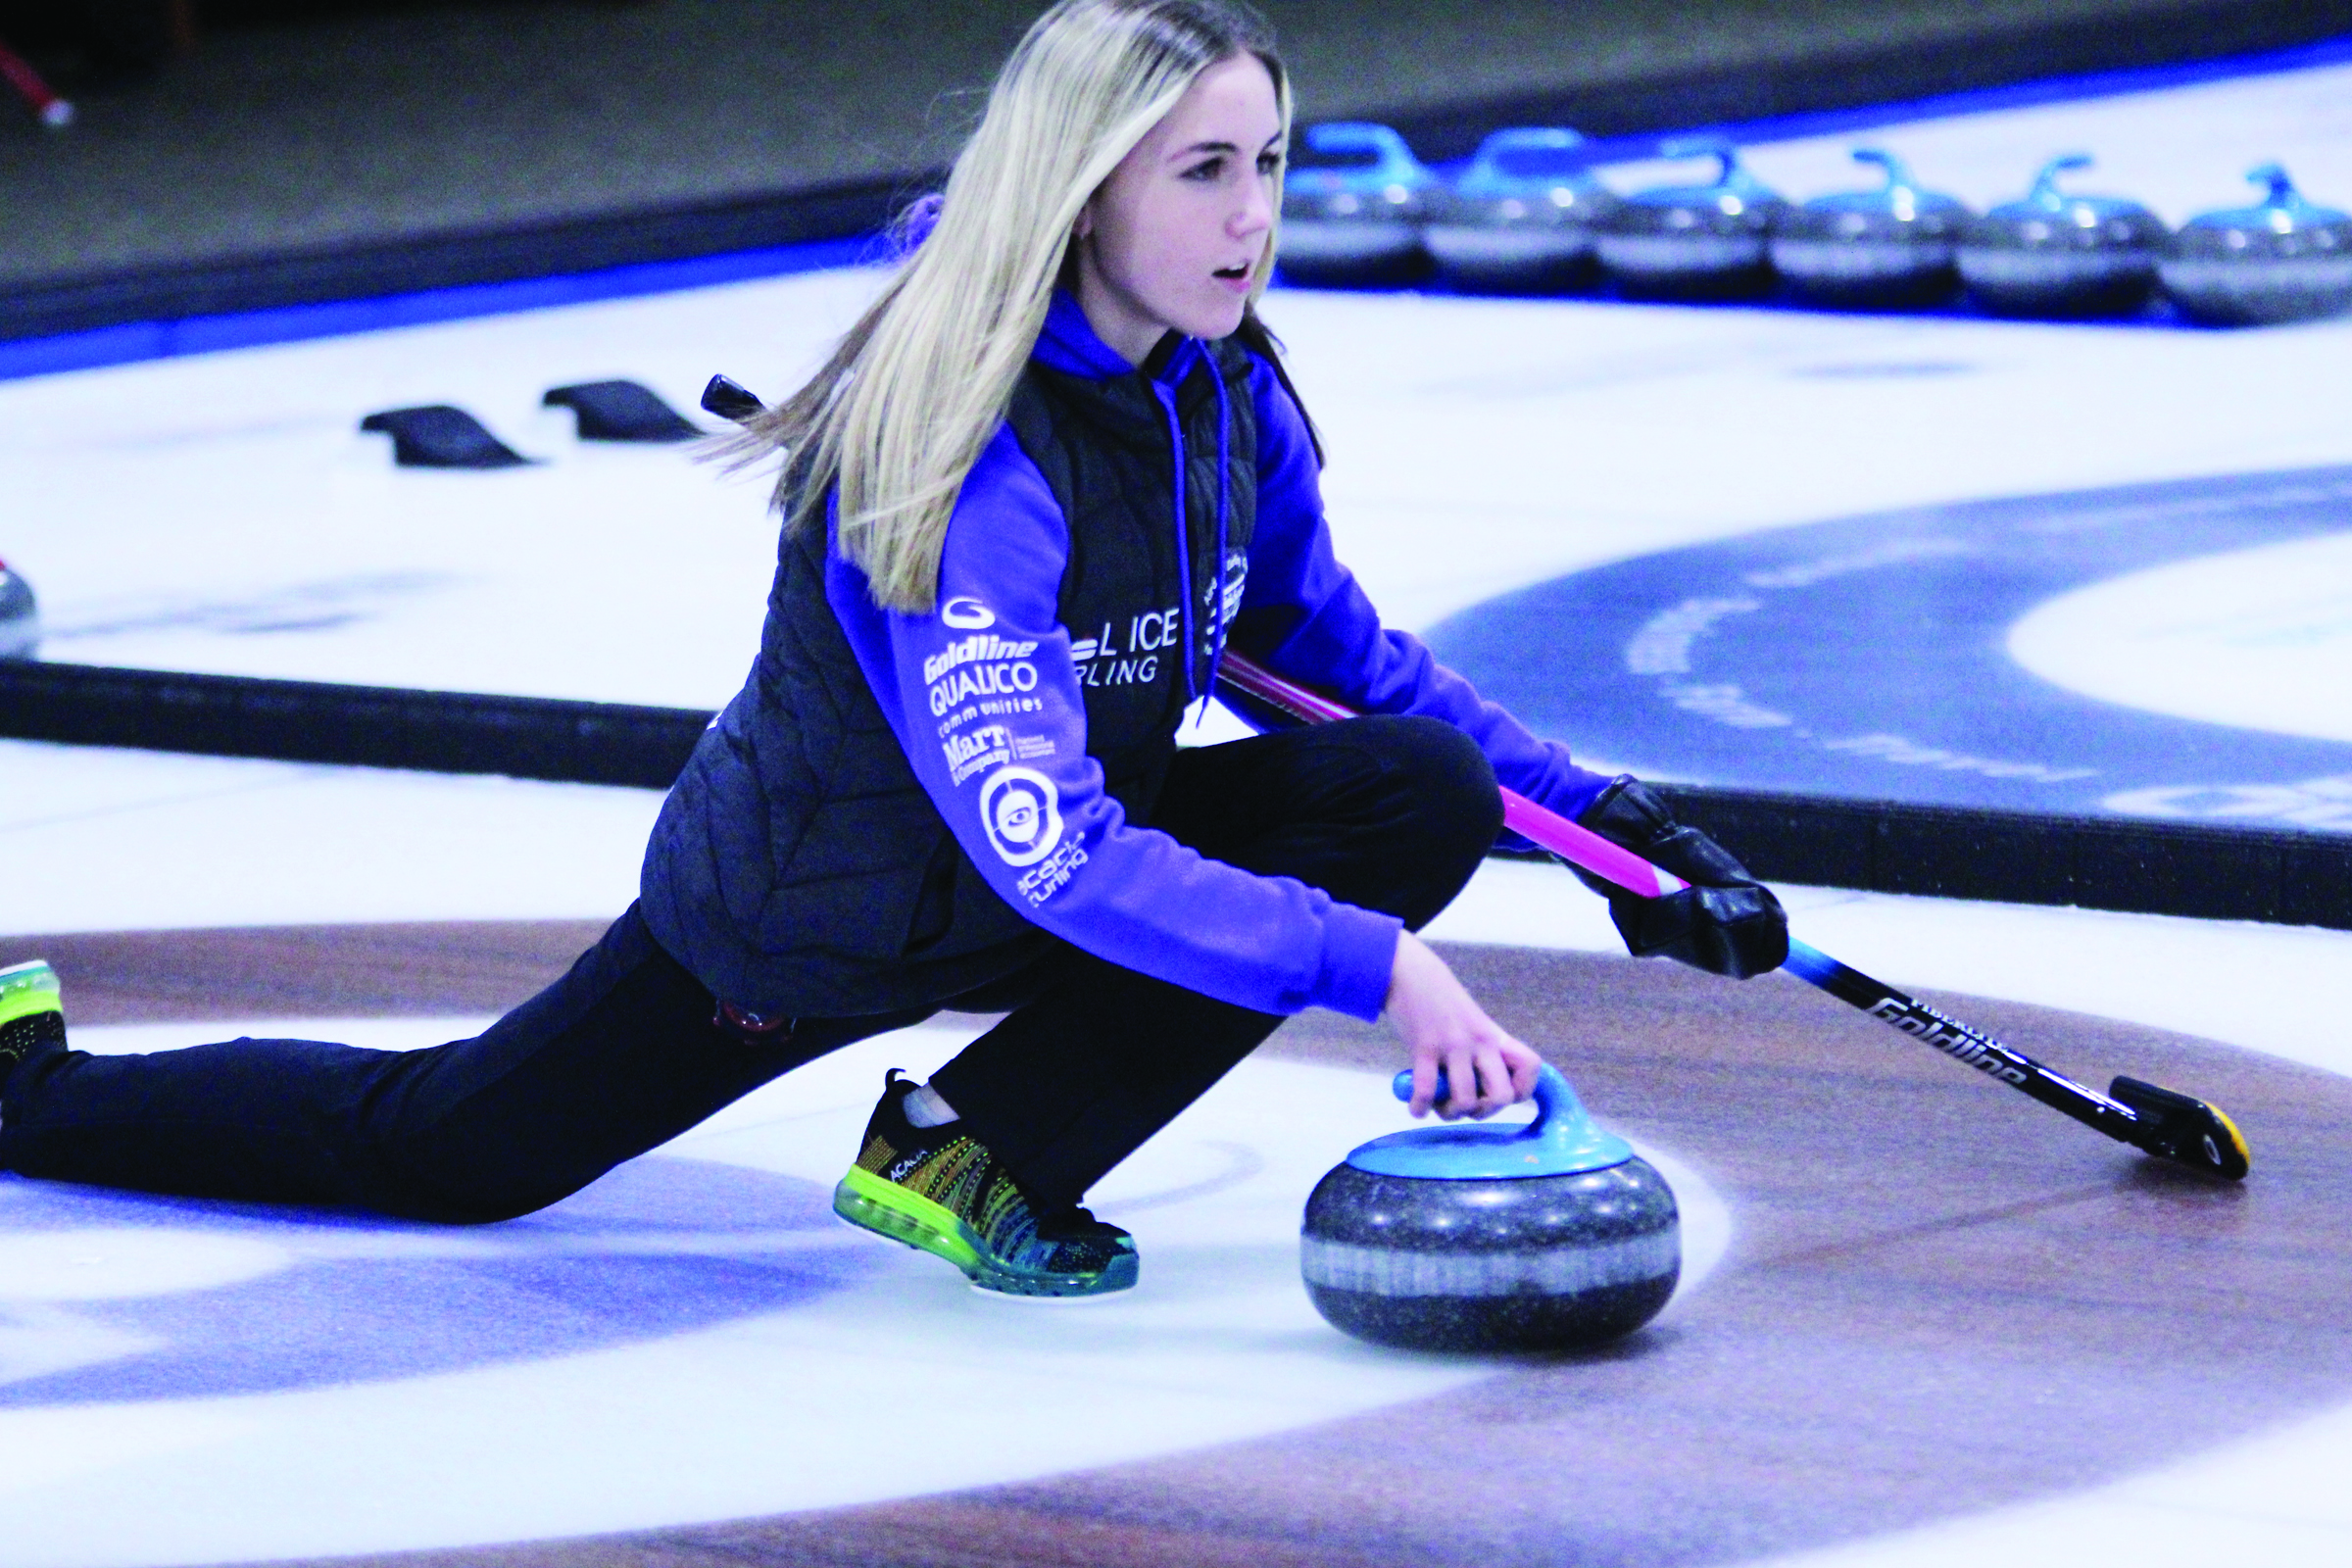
(1021, 811)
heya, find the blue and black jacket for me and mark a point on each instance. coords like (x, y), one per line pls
(900, 807)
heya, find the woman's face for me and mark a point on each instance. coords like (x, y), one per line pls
(1174, 238)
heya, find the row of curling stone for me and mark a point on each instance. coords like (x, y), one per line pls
(1549, 1235)
(1525, 216)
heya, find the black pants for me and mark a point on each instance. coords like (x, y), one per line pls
(624, 1053)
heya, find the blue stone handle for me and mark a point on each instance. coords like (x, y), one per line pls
(1561, 1139)
(1555, 1097)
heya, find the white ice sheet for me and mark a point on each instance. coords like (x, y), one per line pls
(759, 1414)
(234, 1470)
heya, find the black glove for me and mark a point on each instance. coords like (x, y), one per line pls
(1725, 922)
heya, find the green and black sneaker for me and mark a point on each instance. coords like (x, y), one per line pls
(32, 1012)
(940, 1190)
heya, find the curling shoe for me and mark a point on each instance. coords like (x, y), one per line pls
(940, 1190)
(32, 1013)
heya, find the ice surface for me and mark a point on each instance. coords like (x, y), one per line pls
(635, 1420)
(2260, 639)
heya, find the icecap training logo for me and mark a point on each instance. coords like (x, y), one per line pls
(1021, 814)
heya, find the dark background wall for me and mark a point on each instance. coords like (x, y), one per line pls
(297, 126)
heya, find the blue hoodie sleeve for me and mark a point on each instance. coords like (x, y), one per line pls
(1303, 615)
(984, 697)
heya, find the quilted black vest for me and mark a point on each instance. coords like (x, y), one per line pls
(799, 869)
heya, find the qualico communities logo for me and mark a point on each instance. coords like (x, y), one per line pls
(1022, 814)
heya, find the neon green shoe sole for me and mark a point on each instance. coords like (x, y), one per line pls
(28, 988)
(32, 1010)
(870, 1203)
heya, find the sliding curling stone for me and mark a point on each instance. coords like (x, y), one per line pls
(2052, 254)
(1353, 206)
(2281, 260)
(1549, 1235)
(1872, 249)
(1694, 242)
(1519, 219)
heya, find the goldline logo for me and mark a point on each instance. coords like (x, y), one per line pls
(1954, 1041)
(967, 614)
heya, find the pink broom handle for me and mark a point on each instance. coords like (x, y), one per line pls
(19, 74)
(1579, 845)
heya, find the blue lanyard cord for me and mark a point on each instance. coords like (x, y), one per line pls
(1217, 564)
(1195, 691)
(1184, 552)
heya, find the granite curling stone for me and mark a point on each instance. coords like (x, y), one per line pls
(1353, 206)
(1551, 1236)
(2283, 259)
(1694, 242)
(1872, 249)
(2054, 254)
(1519, 219)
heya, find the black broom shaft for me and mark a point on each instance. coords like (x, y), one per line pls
(1962, 1044)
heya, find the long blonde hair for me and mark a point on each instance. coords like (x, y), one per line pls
(901, 412)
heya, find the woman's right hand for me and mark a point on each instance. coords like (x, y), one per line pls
(1444, 1028)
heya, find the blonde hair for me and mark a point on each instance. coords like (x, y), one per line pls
(898, 415)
